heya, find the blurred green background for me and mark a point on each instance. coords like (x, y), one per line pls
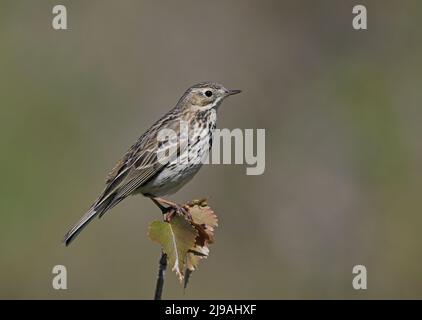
(341, 109)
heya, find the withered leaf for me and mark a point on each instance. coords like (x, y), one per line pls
(204, 221)
(202, 213)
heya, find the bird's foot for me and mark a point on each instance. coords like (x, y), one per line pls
(170, 208)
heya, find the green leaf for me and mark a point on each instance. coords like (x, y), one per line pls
(176, 238)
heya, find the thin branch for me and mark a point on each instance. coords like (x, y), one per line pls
(160, 279)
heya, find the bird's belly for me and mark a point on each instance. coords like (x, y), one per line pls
(170, 180)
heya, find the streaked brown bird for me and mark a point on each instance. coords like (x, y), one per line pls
(142, 169)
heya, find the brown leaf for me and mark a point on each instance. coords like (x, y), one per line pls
(202, 214)
(204, 221)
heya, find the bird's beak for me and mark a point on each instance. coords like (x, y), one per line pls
(232, 92)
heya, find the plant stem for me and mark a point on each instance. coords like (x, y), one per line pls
(160, 278)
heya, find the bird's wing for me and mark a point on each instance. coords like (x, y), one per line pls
(139, 165)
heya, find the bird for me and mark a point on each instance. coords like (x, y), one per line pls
(142, 169)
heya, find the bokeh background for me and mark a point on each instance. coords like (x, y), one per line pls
(341, 109)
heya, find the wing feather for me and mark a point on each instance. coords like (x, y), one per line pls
(139, 171)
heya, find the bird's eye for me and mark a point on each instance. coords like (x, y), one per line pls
(208, 93)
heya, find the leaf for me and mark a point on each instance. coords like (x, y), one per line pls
(204, 221)
(194, 256)
(192, 261)
(204, 237)
(203, 214)
(176, 238)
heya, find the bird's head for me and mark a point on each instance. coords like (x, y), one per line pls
(206, 95)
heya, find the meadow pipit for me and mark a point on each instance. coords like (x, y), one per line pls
(141, 169)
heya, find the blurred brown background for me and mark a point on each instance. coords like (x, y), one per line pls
(341, 109)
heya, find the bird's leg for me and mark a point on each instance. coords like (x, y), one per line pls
(168, 212)
(172, 205)
(160, 203)
(163, 209)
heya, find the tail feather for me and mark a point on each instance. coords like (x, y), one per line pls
(96, 209)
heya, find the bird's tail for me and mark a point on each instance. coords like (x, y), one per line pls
(97, 209)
